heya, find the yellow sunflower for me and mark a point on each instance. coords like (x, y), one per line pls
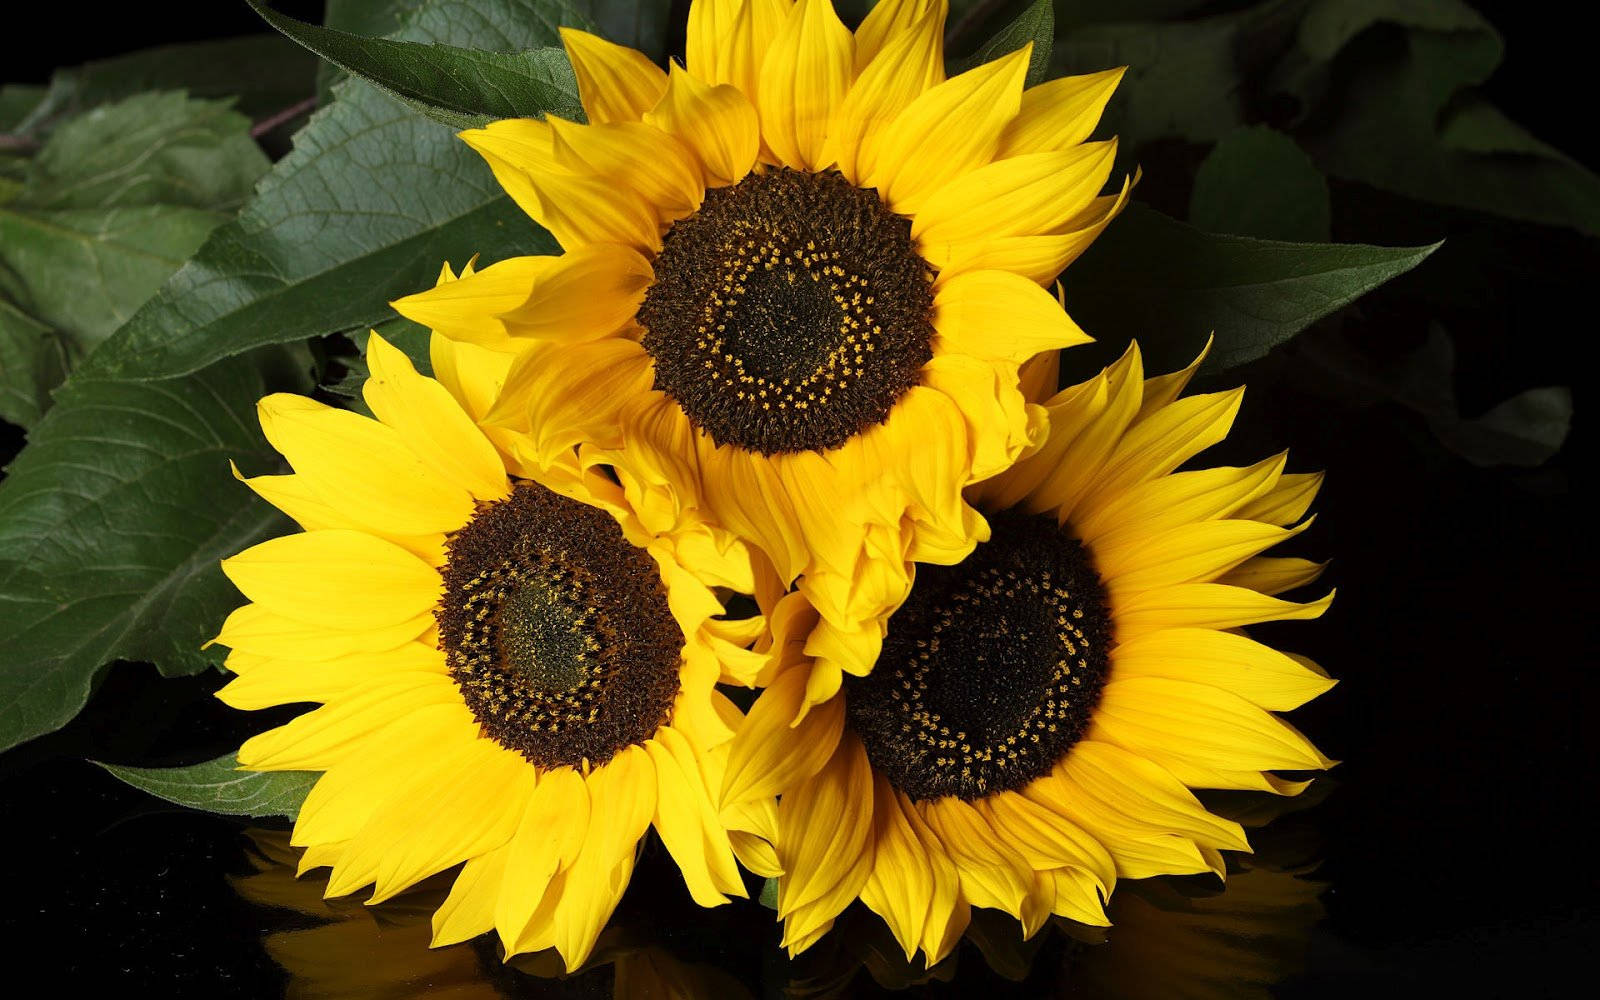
(1040, 711)
(513, 673)
(800, 274)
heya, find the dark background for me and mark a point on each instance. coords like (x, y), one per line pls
(1451, 843)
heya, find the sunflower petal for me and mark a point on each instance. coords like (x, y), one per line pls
(718, 124)
(803, 79)
(335, 578)
(615, 83)
(1059, 113)
(907, 66)
(949, 131)
(1260, 674)
(727, 40)
(1001, 317)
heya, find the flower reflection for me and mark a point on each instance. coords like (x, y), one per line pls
(353, 950)
(1171, 938)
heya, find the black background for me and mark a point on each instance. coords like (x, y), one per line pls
(1452, 843)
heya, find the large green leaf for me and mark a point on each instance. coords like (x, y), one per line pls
(1410, 122)
(112, 523)
(219, 786)
(458, 87)
(262, 73)
(1257, 182)
(112, 204)
(1169, 286)
(1036, 24)
(371, 200)
(114, 517)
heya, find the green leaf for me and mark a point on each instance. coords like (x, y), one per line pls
(262, 73)
(373, 198)
(33, 360)
(17, 101)
(112, 523)
(1410, 122)
(459, 87)
(1257, 182)
(1525, 430)
(769, 894)
(1184, 78)
(1036, 24)
(219, 786)
(113, 203)
(639, 24)
(359, 17)
(158, 148)
(1169, 286)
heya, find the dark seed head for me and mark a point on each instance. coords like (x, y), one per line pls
(789, 313)
(556, 630)
(991, 669)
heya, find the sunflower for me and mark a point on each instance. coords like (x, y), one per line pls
(1040, 711)
(514, 675)
(800, 274)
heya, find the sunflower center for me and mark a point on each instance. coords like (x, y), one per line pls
(556, 630)
(789, 313)
(991, 668)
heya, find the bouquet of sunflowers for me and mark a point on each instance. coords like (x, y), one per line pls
(731, 446)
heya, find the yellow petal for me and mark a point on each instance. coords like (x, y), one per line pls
(825, 841)
(549, 834)
(360, 465)
(901, 886)
(615, 83)
(285, 682)
(587, 293)
(1159, 443)
(1260, 674)
(632, 158)
(1039, 258)
(430, 422)
(1047, 839)
(1001, 317)
(374, 770)
(256, 629)
(469, 909)
(1142, 795)
(688, 824)
(949, 131)
(562, 395)
(988, 396)
(1193, 553)
(1073, 470)
(465, 805)
(295, 497)
(469, 308)
(516, 150)
(803, 79)
(772, 751)
(1287, 501)
(1059, 113)
(890, 20)
(718, 124)
(317, 740)
(993, 873)
(1205, 605)
(472, 374)
(727, 40)
(335, 578)
(1169, 502)
(1273, 575)
(1165, 718)
(1024, 196)
(898, 73)
(622, 796)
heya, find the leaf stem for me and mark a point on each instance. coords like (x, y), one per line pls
(266, 125)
